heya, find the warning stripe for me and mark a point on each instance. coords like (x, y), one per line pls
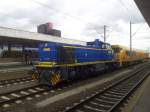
(34, 77)
(55, 79)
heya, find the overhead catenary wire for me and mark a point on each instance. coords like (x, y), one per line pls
(124, 8)
(55, 10)
(81, 20)
(128, 11)
(137, 30)
(134, 6)
(65, 14)
(68, 15)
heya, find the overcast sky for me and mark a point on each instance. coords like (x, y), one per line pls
(79, 19)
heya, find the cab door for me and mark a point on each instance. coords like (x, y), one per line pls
(66, 55)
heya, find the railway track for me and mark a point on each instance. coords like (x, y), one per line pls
(18, 95)
(29, 93)
(111, 97)
(15, 81)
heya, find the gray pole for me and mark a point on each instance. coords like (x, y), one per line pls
(104, 34)
(130, 38)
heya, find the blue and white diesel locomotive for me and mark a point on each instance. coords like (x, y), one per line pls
(61, 62)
